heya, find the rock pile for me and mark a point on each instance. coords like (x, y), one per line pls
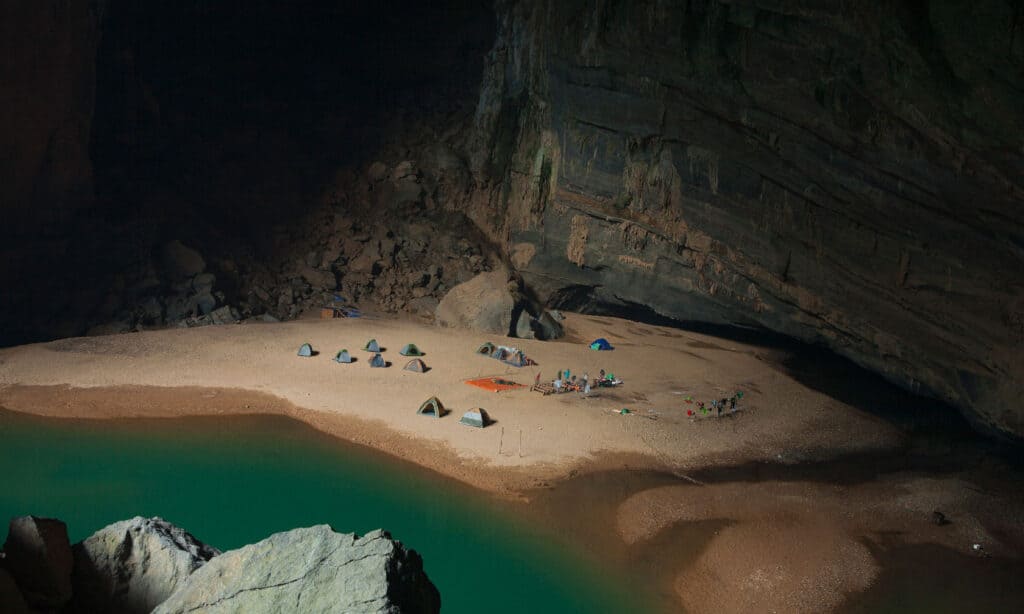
(149, 565)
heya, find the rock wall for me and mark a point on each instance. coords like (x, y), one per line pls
(47, 67)
(845, 173)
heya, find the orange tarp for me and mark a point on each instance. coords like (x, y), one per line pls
(494, 384)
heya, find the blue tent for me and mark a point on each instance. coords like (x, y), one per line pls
(343, 357)
(372, 346)
(377, 361)
(601, 344)
(306, 350)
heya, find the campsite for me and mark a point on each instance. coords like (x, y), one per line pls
(472, 413)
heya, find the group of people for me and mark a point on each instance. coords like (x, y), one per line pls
(718, 406)
(567, 382)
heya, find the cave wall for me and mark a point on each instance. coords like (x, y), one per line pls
(47, 92)
(47, 72)
(845, 173)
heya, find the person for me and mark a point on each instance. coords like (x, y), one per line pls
(586, 378)
(536, 380)
(586, 387)
(602, 374)
(558, 385)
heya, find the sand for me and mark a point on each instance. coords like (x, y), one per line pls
(760, 560)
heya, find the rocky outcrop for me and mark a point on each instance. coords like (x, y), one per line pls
(11, 600)
(310, 570)
(844, 173)
(149, 565)
(38, 556)
(134, 565)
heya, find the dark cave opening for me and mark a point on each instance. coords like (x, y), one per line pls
(234, 115)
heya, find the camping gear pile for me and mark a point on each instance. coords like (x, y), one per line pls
(508, 355)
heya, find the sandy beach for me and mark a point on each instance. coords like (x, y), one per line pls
(760, 560)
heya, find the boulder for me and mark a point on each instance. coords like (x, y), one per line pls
(134, 565)
(11, 600)
(548, 325)
(523, 329)
(319, 279)
(310, 570)
(483, 303)
(38, 555)
(181, 261)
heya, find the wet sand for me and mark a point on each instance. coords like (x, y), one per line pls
(712, 542)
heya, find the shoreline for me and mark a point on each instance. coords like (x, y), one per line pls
(727, 544)
(150, 402)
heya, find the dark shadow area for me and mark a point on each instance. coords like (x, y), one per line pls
(934, 579)
(222, 124)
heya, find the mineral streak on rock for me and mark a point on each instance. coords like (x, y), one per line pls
(848, 174)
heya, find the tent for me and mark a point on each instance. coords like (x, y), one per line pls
(343, 357)
(378, 361)
(431, 407)
(305, 350)
(410, 349)
(601, 344)
(372, 346)
(475, 417)
(486, 349)
(516, 358)
(416, 365)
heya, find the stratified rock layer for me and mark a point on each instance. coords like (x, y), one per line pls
(845, 173)
(310, 570)
(134, 565)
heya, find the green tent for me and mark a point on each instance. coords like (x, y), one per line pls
(372, 346)
(305, 350)
(410, 349)
(475, 417)
(431, 407)
(343, 357)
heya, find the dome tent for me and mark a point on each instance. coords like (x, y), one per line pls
(410, 349)
(431, 407)
(416, 366)
(476, 417)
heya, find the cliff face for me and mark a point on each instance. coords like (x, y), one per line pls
(846, 173)
(47, 67)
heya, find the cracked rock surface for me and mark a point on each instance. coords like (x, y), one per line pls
(310, 570)
(133, 565)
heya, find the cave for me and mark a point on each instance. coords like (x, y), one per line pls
(824, 194)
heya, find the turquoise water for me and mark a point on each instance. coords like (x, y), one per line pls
(234, 481)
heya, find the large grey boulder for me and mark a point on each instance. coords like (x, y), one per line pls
(38, 555)
(310, 570)
(484, 303)
(134, 565)
(181, 261)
